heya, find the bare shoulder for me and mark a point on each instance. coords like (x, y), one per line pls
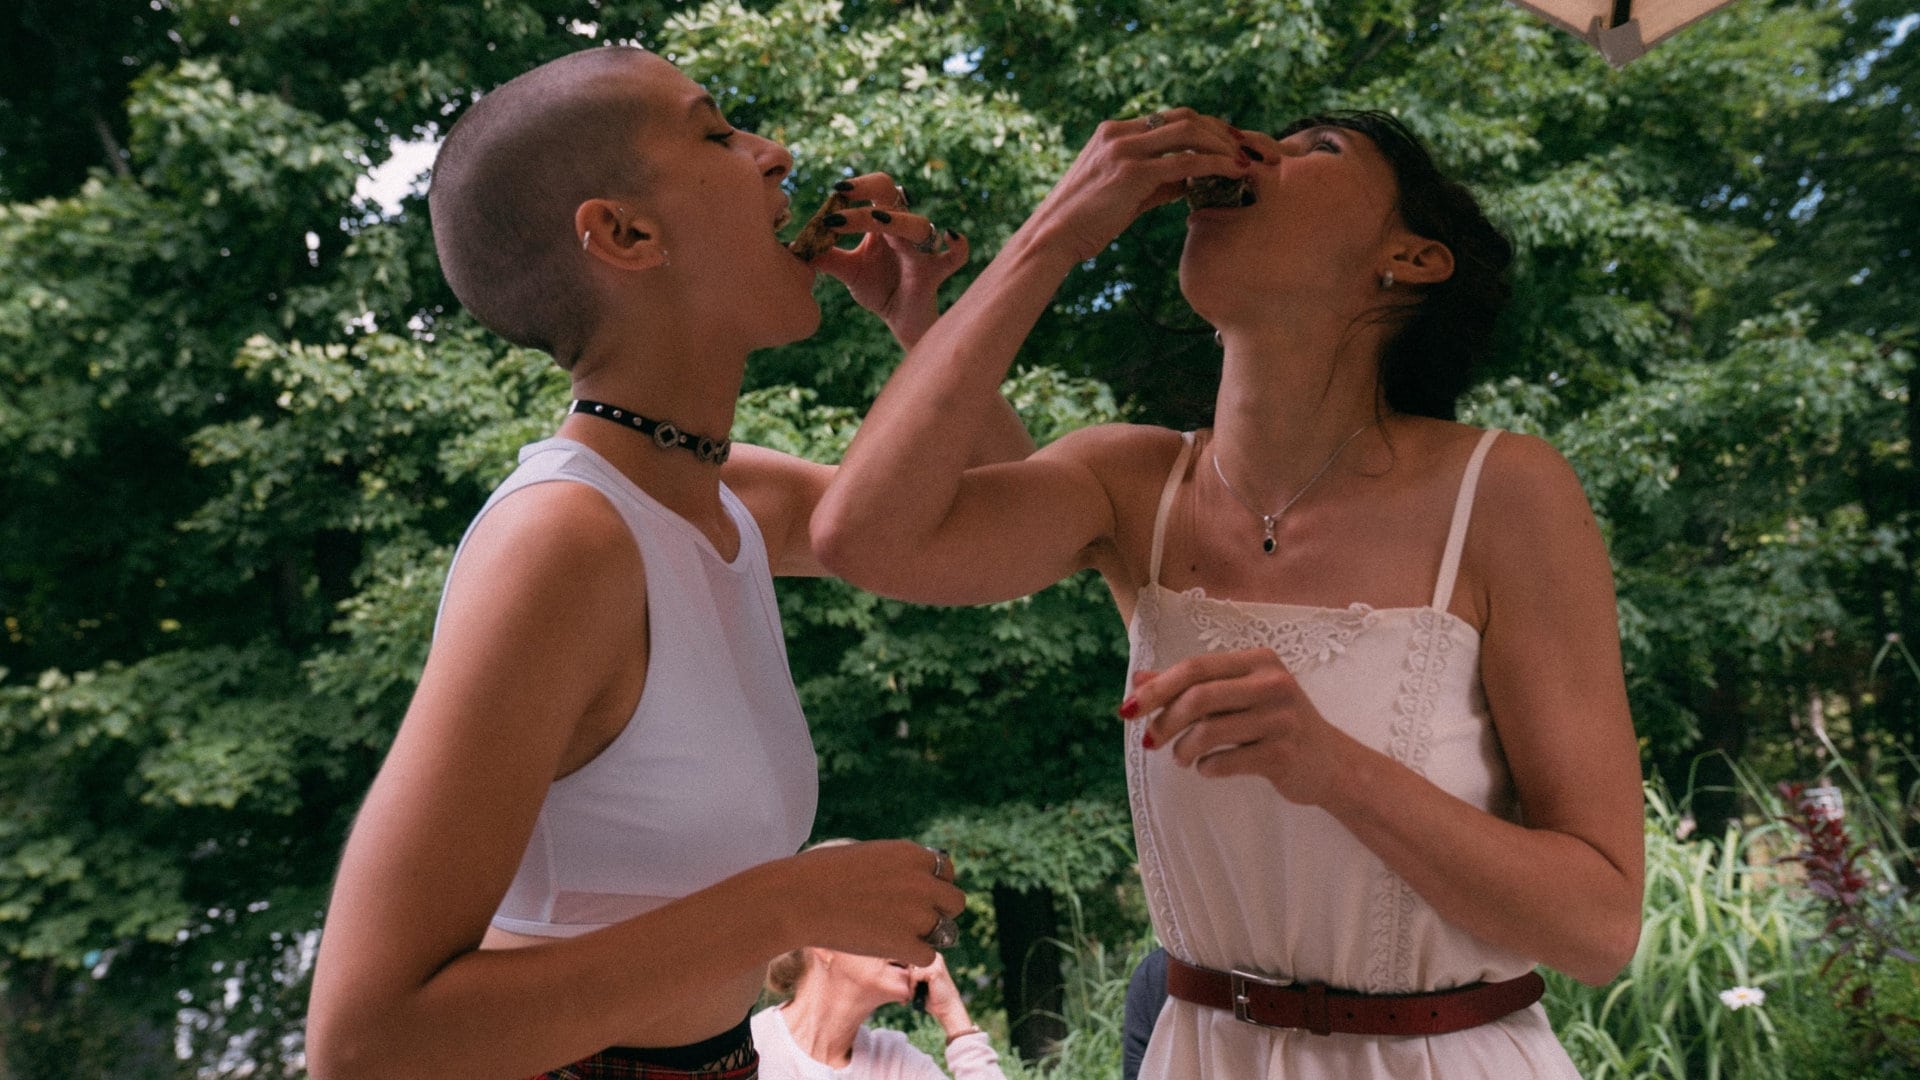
(780, 491)
(761, 476)
(1526, 470)
(1120, 454)
(554, 534)
(551, 570)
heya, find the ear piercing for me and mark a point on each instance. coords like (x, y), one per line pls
(1386, 280)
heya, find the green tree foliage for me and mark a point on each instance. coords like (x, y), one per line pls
(243, 421)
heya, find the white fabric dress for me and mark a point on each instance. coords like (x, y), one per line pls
(1239, 878)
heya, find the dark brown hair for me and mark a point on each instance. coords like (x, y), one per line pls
(507, 181)
(1428, 362)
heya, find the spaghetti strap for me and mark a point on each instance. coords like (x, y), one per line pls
(1166, 502)
(1462, 512)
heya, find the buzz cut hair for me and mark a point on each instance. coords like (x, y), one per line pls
(506, 184)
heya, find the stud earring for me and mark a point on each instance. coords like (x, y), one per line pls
(1386, 280)
(1218, 342)
(585, 239)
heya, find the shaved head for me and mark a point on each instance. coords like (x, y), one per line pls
(508, 179)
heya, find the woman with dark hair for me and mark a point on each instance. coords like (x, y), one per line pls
(1377, 740)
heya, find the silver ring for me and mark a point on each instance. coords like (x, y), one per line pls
(1155, 120)
(943, 935)
(925, 247)
(942, 861)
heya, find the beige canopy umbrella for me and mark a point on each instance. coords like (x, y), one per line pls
(1622, 29)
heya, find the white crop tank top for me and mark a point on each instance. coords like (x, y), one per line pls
(715, 770)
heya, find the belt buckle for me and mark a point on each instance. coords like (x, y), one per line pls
(1238, 981)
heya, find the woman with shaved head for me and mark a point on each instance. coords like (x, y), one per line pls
(579, 854)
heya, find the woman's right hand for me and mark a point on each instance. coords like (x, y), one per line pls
(877, 898)
(1132, 166)
(943, 998)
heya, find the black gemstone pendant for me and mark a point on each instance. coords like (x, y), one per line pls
(1267, 545)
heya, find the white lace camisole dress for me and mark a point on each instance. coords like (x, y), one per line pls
(1237, 877)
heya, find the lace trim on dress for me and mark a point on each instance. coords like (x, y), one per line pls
(1146, 617)
(1302, 642)
(1428, 650)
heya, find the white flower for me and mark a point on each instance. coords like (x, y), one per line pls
(1742, 996)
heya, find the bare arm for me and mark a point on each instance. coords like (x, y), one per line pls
(536, 640)
(889, 275)
(906, 511)
(1564, 885)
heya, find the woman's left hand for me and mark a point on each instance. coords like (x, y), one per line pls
(898, 267)
(1240, 714)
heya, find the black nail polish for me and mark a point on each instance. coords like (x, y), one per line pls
(883, 217)
(843, 186)
(951, 235)
(1247, 199)
(834, 221)
(1252, 153)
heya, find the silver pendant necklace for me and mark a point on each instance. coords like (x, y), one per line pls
(1268, 521)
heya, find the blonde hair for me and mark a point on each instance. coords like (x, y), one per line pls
(788, 970)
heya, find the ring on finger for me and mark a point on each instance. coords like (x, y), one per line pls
(944, 934)
(942, 864)
(925, 247)
(1155, 120)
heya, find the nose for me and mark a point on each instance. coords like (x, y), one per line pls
(1275, 148)
(775, 160)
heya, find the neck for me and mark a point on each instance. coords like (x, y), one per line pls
(823, 1026)
(684, 380)
(1286, 402)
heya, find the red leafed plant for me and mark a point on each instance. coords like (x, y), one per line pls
(1862, 930)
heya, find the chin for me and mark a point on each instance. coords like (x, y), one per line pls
(803, 323)
(1205, 286)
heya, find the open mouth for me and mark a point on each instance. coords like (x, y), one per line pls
(1209, 192)
(815, 237)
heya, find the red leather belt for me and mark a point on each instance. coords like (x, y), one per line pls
(1323, 1011)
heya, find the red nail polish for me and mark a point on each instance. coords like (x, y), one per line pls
(1147, 740)
(1129, 708)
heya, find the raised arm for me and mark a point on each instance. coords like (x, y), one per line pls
(895, 272)
(532, 672)
(906, 515)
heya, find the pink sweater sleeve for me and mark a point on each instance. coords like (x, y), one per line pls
(972, 1057)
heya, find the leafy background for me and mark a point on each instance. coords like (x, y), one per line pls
(242, 421)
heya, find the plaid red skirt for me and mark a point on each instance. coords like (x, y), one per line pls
(610, 1065)
(727, 1056)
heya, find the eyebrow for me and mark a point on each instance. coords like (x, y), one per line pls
(704, 102)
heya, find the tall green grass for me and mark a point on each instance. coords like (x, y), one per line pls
(1717, 917)
(1719, 914)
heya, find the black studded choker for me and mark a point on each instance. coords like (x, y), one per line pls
(664, 435)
